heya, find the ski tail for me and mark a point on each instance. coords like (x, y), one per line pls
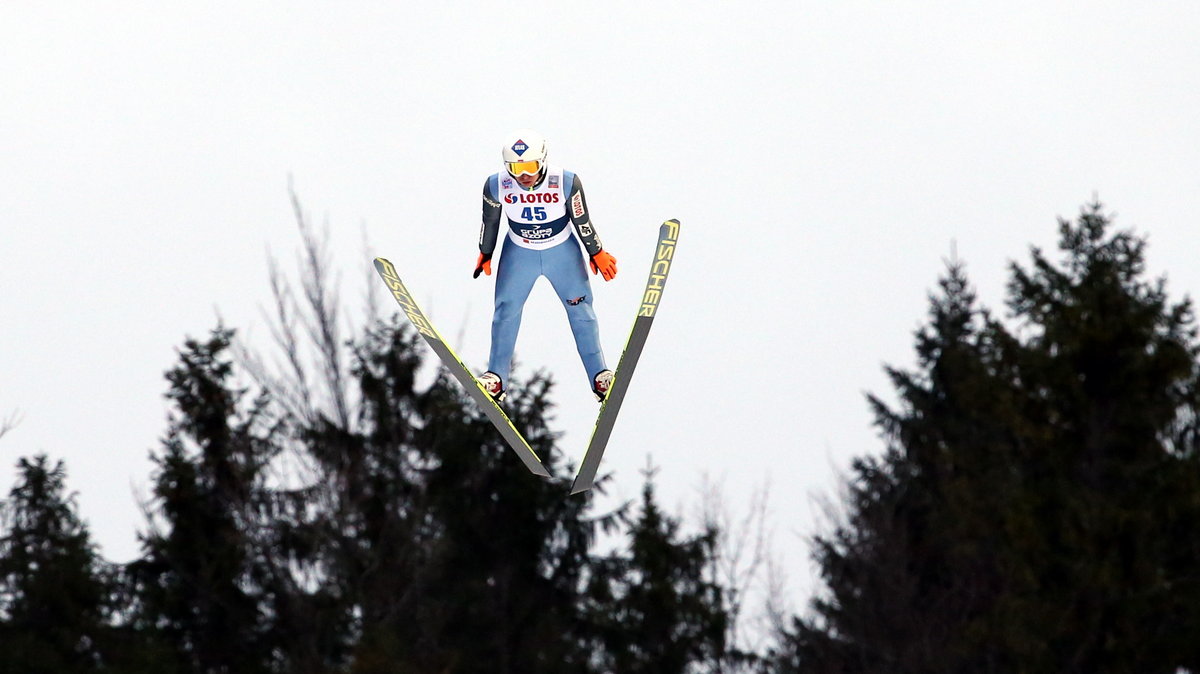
(474, 389)
(668, 233)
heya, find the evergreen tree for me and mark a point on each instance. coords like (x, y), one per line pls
(197, 581)
(652, 607)
(453, 556)
(1036, 507)
(54, 589)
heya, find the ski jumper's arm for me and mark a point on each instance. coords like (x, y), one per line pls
(601, 261)
(490, 229)
(577, 208)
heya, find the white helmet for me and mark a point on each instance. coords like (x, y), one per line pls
(521, 149)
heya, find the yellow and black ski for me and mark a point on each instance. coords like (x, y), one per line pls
(663, 254)
(474, 389)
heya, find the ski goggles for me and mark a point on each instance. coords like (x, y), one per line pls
(519, 168)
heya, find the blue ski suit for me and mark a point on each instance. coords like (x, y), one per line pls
(546, 226)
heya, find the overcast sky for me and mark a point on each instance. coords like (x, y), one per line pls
(823, 158)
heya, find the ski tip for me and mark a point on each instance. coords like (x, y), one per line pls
(539, 469)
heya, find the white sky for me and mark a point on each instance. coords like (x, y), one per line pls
(821, 156)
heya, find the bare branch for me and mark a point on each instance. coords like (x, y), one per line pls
(304, 389)
(777, 608)
(371, 293)
(321, 295)
(284, 333)
(742, 549)
(10, 423)
(299, 327)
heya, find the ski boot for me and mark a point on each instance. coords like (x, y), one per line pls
(601, 383)
(492, 384)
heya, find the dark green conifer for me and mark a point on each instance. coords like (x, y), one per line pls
(54, 589)
(653, 605)
(1040, 491)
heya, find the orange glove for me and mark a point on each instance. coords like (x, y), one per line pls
(604, 264)
(483, 265)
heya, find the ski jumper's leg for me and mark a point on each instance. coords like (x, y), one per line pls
(518, 269)
(564, 266)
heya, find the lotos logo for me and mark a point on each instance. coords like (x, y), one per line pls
(519, 147)
(534, 198)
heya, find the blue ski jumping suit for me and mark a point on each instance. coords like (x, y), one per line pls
(546, 226)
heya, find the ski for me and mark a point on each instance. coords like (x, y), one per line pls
(494, 412)
(664, 253)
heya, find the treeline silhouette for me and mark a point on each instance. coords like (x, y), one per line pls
(1036, 509)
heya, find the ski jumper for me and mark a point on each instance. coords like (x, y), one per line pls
(546, 226)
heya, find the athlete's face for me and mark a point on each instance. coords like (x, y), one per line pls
(526, 180)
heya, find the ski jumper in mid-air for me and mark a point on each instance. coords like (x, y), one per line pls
(547, 219)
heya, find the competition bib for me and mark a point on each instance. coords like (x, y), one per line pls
(537, 218)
